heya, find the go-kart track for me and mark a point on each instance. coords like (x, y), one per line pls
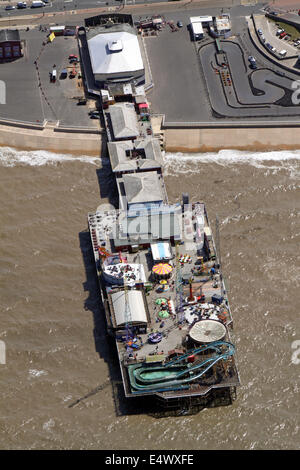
(235, 90)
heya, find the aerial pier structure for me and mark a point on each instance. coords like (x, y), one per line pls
(161, 282)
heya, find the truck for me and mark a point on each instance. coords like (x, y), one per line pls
(37, 4)
(196, 29)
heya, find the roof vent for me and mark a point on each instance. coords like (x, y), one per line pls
(115, 46)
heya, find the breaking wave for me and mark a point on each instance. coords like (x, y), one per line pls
(189, 162)
(10, 157)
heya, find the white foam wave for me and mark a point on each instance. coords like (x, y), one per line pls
(234, 156)
(10, 157)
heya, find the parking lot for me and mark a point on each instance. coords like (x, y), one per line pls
(269, 30)
(30, 95)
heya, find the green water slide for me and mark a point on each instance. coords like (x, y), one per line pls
(177, 374)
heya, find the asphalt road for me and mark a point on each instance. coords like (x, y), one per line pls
(68, 5)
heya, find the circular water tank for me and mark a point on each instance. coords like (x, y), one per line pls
(207, 331)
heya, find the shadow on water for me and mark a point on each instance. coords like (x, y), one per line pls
(104, 344)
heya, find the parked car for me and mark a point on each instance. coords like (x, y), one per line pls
(63, 74)
(268, 45)
(259, 31)
(21, 5)
(94, 112)
(10, 7)
(179, 24)
(282, 35)
(279, 31)
(95, 115)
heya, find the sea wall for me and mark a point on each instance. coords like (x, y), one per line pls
(69, 141)
(177, 139)
(213, 140)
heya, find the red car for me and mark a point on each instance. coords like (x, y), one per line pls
(282, 35)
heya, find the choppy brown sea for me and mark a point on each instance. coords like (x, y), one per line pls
(57, 387)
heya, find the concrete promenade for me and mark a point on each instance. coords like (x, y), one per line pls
(201, 137)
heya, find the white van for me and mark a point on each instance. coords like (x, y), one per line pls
(37, 4)
(283, 53)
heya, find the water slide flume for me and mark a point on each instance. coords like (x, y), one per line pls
(176, 374)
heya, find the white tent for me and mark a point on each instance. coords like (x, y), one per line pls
(136, 312)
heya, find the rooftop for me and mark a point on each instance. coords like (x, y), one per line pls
(143, 154)
(124, 121)
(9, 35)
(113, 52)
(143, 187)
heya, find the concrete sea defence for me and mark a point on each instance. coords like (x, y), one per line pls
(30, 137)
(177, 139)
(213, 140)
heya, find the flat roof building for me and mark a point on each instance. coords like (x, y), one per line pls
(222, 24)
(196, 28)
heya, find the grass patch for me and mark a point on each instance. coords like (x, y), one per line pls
(289, 29)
